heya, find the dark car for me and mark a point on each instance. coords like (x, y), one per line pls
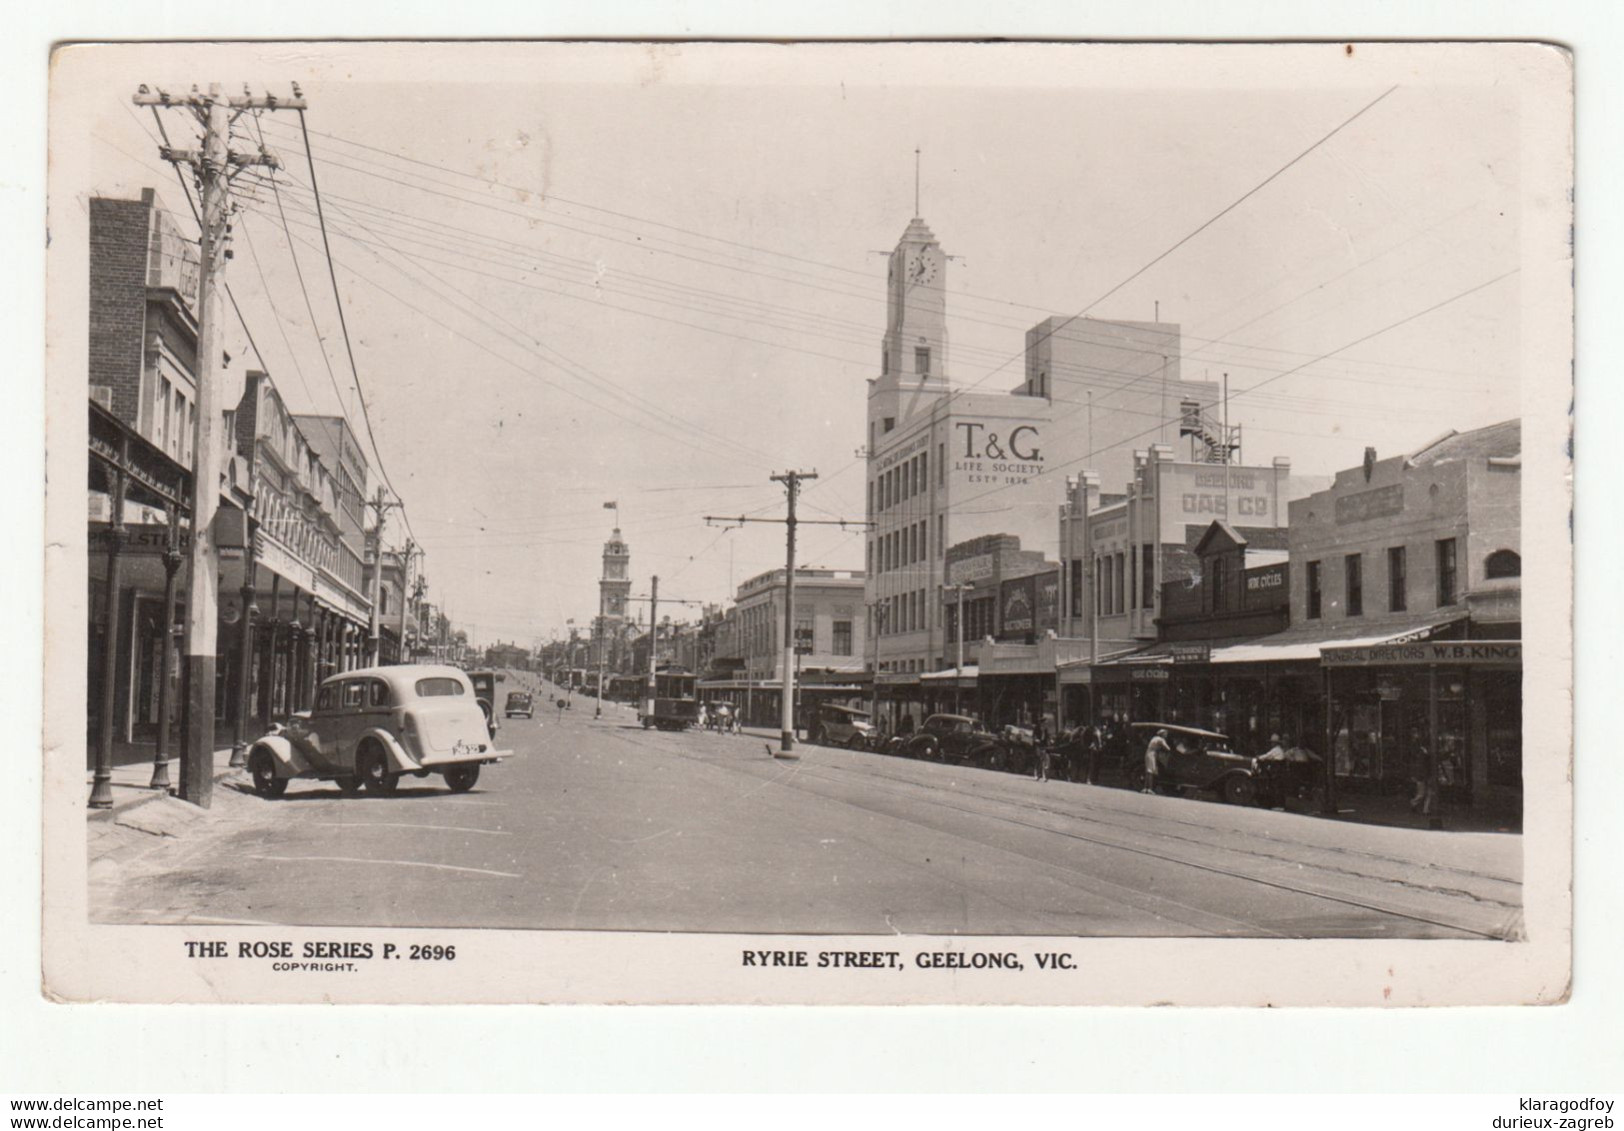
(1201, 760)
(519, 703)
(958, 739)
(485, 692)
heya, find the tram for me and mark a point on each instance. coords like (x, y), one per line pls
(676, 701)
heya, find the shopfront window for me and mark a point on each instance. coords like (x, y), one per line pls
(1502, 697)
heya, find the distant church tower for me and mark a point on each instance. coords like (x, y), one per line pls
(613, 588)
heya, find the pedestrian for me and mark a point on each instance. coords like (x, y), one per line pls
(1040, 750)
(1156, 751)
(704, 718)
(562, 703)
(1095, 738)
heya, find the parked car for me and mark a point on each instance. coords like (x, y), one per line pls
(371, 727)
(1201, 760)
(842, 726)
(958, 739)
(519, 703)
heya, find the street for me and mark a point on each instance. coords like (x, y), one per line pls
(601, 825)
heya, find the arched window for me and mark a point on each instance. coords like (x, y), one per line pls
(1503, 563)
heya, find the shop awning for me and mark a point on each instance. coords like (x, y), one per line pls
(948, 675)
(1306, 641)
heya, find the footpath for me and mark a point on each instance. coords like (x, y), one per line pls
(1389, 811)
(143, 818)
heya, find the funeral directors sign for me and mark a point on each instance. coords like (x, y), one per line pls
(1445, 653)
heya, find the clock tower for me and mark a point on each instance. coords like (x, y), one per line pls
(613, 588)
(913, 351)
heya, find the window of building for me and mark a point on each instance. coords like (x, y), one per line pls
(1147, 579)
(924, 470)
(870, 559)
(885, 360)
(922, 361)
(1133, 576)
(890, 423)
(1397, 580)
(160, 415)
(1117, 604)
(1502, 563)
(1353, 583)
(941, 463)
(1219, 584)
(1446, 572)
(842, 638)
(1312, 588)
(871, 496)
(1076, 587)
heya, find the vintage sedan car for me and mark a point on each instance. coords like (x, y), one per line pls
(842, 726)
(1200, 760)
(519, 703)
(958, 739)
(484, 683)
(373, 726)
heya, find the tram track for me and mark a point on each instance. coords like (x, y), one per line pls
(1492, 919)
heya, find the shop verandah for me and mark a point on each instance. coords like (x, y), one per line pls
(1396, 711)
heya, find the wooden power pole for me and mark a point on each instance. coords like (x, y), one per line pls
(381, 506)
(214, 165)
(792, 481)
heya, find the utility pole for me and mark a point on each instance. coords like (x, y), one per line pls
(215, 165)
(654, 600)
(786, 708)
(653, 642)
(958, 663)
(380, 509)
(792, 481)
(603, 644)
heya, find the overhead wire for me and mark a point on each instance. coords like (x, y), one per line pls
(360, 394)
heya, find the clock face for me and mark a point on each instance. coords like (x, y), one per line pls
(923, 269)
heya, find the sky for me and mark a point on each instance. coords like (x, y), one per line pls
(656, 275)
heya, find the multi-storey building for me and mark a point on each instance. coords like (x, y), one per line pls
(140, 372)
(946, 466)
(309, 587)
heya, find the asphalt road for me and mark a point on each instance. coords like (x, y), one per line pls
(601, 825)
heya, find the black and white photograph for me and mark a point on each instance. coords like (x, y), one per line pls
(820, 522)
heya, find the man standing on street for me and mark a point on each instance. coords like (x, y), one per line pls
(1155, 751)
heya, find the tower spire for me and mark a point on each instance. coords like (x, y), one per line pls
(916, 180)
